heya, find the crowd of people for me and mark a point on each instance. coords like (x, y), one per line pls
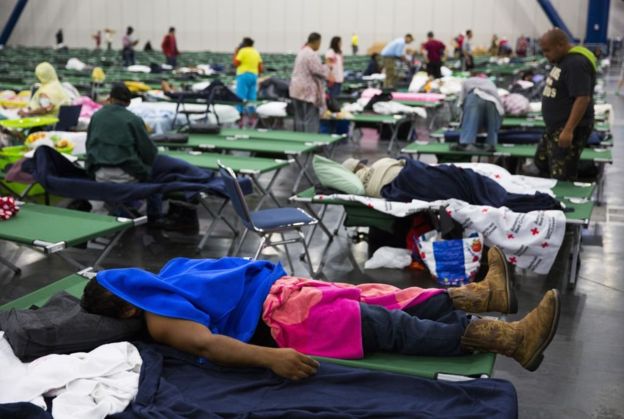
(567, 99)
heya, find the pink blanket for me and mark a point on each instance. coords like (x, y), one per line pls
(406, 96)
(89, 107)
(323, 318)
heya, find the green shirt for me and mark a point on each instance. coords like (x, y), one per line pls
(117, 138)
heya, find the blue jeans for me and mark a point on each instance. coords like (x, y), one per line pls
(334, 90)
(431, 328)
(172, 61)
(127, 55)
(479, 114)
(247, 90)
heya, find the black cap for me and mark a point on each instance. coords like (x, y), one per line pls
(121, 92)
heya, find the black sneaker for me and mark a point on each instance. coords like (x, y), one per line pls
(490, 148)
(467, 148)
(181, 217)
(80, 205)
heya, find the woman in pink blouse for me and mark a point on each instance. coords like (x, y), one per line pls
(307, 86)
(334, 60)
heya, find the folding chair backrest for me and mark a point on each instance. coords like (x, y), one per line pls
(68, 117)
(235, 193)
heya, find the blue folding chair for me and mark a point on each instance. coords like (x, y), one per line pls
(68, 117)
(268, 221)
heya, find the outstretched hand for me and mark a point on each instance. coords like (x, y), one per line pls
(292, 365)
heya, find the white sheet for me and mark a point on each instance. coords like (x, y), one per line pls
(159, 115)
(86, 385)
(391, 108)
(272, 109)
(529, 240)
(512, 183)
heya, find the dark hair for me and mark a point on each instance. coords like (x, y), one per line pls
(314, 37)
(129, 30)
(121, 93)
(429, 34)
(374, 55)
(335, 44)
(98, 300)
(171, 29)
(469, 32)
(247, 42)
(409, 35)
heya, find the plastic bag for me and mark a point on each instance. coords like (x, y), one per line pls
(451, 262)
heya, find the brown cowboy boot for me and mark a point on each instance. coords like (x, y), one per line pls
(494, 293)
(524, 340)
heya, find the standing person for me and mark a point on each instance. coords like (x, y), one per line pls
(493, 51)
(567, 106)
(97, 37)
(355, 43)
(170, 48)
(248, 63)
(458, 42)
(621, 82)
(434, 52)
(108, 34)
(467, 51)
(307, 86)
(522, 46)
(394, 50)
(335, 61)
(481, 108)
(60, 40)
(128, 43)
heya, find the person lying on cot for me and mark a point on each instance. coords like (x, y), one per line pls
(221, 309)
(403, 180)
(50, 95)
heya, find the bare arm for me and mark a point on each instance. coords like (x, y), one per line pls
(44, 110)
(197, 339)
(578, 110)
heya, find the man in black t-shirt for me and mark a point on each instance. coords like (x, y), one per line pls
(567, 106)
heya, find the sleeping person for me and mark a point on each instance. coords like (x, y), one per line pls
(404, 180)
(224, 309)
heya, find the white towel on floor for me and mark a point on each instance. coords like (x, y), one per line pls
(86, 385)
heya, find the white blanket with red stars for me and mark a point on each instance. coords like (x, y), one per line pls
(529, 240)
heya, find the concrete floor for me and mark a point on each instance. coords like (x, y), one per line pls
(582, 375)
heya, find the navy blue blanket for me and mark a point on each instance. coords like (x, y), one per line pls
(424, 182)
(174, 385)
(522, 136)
(60, 177)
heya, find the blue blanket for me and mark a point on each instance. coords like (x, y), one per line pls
(225, 295)
(60, 177)
(429, 183)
